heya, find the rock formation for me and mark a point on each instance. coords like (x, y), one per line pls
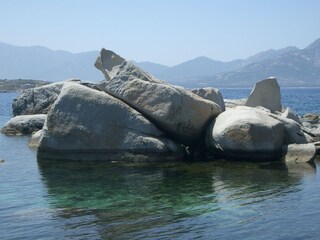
(86, 124)
(178, 112)
(133, 116)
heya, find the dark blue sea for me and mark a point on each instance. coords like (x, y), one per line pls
(206, 200)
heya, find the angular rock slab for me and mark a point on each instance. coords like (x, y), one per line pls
(108, 63)
(24, 124)
(86, 124)
(176, 111)
(299, 153)
(211, 94)
(244, 133)
(266, 93)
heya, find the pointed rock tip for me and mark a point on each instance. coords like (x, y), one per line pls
(109, 59)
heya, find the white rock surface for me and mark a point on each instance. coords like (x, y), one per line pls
(242, 130)
(178, 112)
(86, 124)
(266, 93)
(108, 62)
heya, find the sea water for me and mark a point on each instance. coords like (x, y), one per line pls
(205, 200)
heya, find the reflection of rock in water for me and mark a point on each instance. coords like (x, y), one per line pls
(124, 200)
(301, 169)
(237, 184)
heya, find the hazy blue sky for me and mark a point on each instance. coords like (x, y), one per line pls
(163, 31)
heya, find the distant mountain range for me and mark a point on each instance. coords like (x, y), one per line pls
(290, 65)
(44, 64)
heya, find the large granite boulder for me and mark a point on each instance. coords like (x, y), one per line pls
(86, 124)
(40, 99)
(24, 124)
(181, 114)
(212, 94)
(245, 132)
(266, 93)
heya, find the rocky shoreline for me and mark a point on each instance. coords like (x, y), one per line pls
(17, 85)
(132, 116)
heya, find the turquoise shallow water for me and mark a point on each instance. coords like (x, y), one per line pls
(208, 200)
